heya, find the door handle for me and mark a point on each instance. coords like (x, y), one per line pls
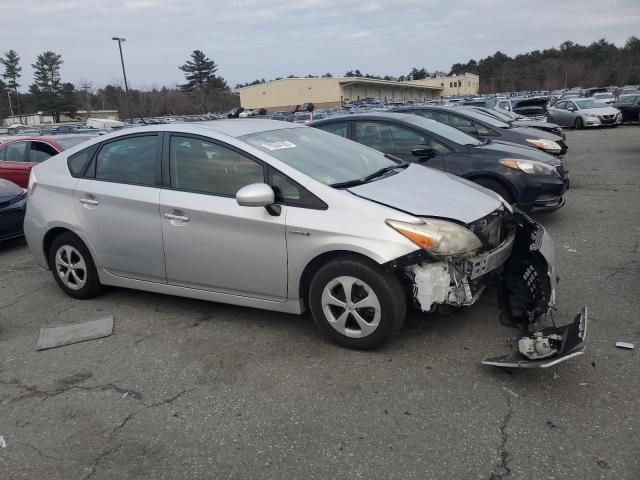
(89, 200)
(172, 216)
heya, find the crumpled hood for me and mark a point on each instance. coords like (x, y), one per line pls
(427, 192)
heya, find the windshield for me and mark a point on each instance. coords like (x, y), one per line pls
(67, 143)
(323, 156)
(445, 131)
(589, 103)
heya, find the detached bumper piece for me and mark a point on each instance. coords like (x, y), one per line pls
(527, 292)
(547, 347)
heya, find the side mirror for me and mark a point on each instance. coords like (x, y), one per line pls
(258, 195)
(422, 151)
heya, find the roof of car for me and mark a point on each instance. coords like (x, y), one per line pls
(237, 127)
(47, 138)
(365, 116)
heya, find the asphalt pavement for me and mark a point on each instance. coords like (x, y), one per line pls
(189, 389)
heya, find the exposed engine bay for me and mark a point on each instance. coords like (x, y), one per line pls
(518, 257)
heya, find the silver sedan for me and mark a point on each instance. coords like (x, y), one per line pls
(584, 112)
(283, 217)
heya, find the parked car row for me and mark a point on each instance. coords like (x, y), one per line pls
(286, 217)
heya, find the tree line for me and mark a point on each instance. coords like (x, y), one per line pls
(570, 65)
(204, 91)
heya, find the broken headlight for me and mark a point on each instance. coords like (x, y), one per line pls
(438, 236)
(528, 166)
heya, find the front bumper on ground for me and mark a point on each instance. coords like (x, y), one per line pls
(525, 269)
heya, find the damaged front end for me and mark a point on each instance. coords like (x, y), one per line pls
(518, 255)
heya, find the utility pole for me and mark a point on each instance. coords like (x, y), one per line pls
(13, 119)
(124, 73)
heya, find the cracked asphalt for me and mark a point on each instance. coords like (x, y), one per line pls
(188, 389)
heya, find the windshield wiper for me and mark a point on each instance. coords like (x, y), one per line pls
(384, 170)
(371, 176)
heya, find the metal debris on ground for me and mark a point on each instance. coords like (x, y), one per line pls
(51, 337)
(627, 345)
(3, 444)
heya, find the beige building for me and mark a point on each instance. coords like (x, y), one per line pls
(286, 93)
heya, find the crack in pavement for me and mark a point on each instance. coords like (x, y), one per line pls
(502, 469)
(45, 394)
(20, 297)
(98, 459)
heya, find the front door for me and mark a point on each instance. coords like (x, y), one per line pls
(398, 141)
(211, 242)
(118, 207)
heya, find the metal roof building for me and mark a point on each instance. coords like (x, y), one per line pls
(329, 92)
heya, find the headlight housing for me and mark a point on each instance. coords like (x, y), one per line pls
(592, 115)
(528, 166)
(544, 144)
(438, 237)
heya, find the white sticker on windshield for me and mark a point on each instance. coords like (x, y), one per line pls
(278, 145)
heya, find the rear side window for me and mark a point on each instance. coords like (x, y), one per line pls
(200, 166)
(78, 162)
(130, 160)
(341, 129)
(41, 151)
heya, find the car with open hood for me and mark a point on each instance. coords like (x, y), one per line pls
(284, 217)
(584, 112)
(534, 108)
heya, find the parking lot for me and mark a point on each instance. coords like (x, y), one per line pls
(191, 389)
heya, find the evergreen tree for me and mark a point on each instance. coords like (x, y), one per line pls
(47, 72)
(12, 69)
(202, 81)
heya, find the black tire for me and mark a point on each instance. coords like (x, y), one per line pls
(387, 289)
(495, 186)
(91, 287)
(579, 124)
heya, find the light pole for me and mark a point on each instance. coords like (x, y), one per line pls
(124, 73)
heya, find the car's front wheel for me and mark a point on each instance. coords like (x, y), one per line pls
(579, 124)
(356, 303)
(73, 268)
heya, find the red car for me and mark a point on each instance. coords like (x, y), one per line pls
(19, 155)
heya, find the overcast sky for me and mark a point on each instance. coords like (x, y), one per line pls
(252, 39)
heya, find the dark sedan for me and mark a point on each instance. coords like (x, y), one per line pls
(629, 105)
(484, 126)
(519, 121)
(13, 203)
(525, 176)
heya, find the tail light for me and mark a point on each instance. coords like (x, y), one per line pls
(33, 183)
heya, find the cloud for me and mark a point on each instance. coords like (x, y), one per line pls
(252, 39)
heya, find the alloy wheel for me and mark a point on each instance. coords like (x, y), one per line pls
(351, 307)
(71, 267)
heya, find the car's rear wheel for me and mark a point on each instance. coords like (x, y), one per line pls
(579, 124)
(356, 303)
(73, 268)
(495, 186)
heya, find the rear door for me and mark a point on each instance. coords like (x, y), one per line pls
(211, 242)
(12, 163)
(118, 206)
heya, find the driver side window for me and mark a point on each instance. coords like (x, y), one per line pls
(388, 138)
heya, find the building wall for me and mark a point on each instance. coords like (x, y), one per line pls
(287, 93)
(467, 84)
(387, 93)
